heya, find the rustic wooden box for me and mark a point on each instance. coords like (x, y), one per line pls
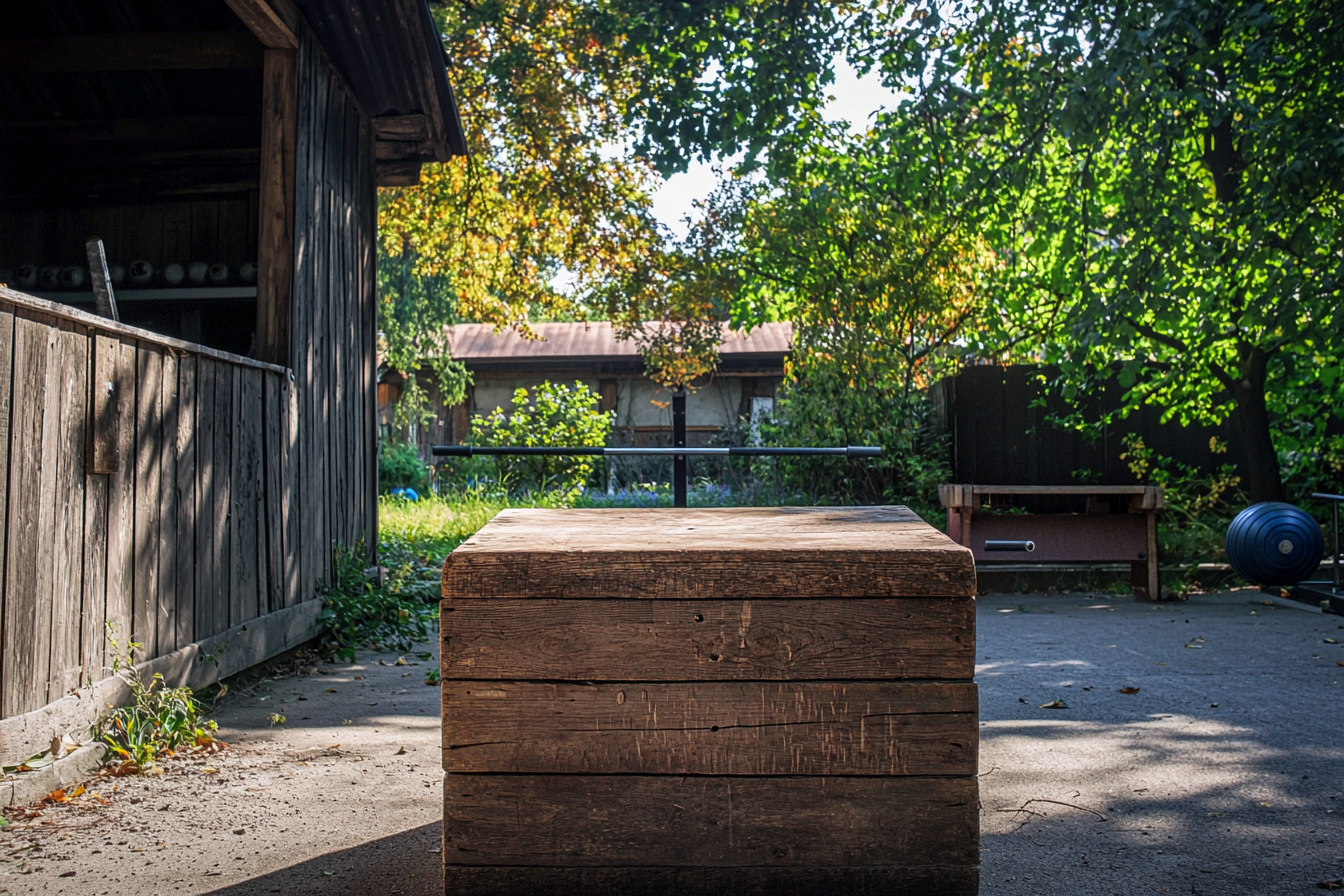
(731, 701)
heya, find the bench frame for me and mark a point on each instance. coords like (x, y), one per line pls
(1099, 535)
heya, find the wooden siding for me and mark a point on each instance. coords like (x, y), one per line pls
(205, 489)
(334, 436)
(146, 547)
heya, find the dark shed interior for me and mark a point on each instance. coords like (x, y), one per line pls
(141, 122)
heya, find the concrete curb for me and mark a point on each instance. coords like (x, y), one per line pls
(29, 787)
(197, 666)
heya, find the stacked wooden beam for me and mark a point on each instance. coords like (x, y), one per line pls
(709, 701)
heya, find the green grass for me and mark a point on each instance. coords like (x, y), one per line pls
(430, 528)
(414, 539)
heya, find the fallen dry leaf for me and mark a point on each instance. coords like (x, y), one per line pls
(331, 690)
(1055, 704)
(333, 746)
(401, 751)
(1128, 691)
(209, 771)
(1331, 641)
(1195, 646)
(1334, 884)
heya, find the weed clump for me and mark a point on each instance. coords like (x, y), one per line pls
(159, 721)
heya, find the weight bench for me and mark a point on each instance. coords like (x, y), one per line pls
(1118, 525)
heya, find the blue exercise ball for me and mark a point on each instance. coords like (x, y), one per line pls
(407, 493)
(1274, 544)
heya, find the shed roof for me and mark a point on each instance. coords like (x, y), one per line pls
(391, 53)
(596, 341)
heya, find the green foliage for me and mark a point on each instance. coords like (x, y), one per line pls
(556, 415)
(399, 466)
(1162, 181)
(823, 407)
(361, 612)
(414, 539)
(157, 722)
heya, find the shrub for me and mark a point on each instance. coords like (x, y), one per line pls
(399, 466)
(556, 415)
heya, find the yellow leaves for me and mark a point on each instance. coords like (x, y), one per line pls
(63, 796)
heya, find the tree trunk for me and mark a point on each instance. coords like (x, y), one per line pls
(1261, 476)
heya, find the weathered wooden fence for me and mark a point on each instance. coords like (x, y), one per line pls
(999, 421)
(149, 483)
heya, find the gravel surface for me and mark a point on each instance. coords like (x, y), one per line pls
(1150, 792)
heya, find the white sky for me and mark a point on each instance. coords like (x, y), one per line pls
(853, 99)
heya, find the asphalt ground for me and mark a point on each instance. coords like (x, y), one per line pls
(1223, 773)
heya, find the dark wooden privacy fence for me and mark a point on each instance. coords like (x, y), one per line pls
(1002, 434)
(151, 483)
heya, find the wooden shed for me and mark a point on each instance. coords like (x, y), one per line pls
(200, 458)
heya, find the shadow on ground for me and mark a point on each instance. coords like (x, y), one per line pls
(400, 865)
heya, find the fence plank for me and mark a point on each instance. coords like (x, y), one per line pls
(6, 371)
(103, 439)
(148, 497)
(168, 534)
(226, 439)
(27, 615)
(206, 546)
(293, 532)
(67, 548)
(272, 452)
(223, 448)
(187, 504)
(121, 502)
(246, 480)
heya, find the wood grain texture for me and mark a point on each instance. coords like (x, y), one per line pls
(148, 497)
(711, 728)
(121, 506)
(927, 880)
(187, 505)
(272, 454)
(723, 552)
(206, 547)
(222, 518)
(580, 820)
(27, 622)
(275, 269)
(707, 640)
(67, 548)
(107, 407)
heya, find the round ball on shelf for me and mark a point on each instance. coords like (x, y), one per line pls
(174, 274)
(142, 273)
(72, 278)
(26, 276)
(218, 274)
(49, 278)
(1273, 543)
(247, 272)
(197, 271)
(117, 273)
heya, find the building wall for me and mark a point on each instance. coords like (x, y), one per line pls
(643, 408)
(333, 323)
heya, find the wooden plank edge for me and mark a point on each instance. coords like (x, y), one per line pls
(102, 324)
(234, 650)
(917, 880)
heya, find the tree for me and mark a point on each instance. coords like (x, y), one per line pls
(884, 297)
(1163, 182)
(570, 107)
